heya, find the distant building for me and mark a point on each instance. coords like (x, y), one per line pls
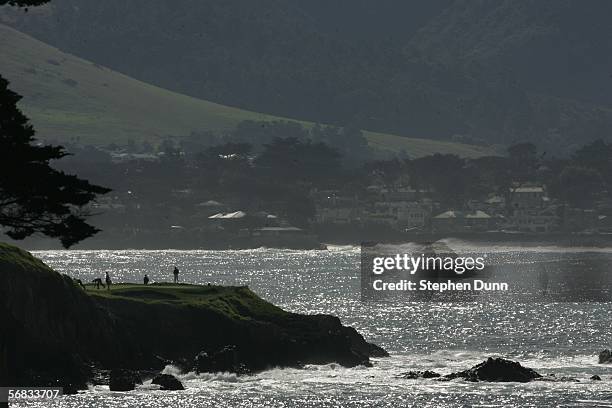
(228, 216)
(604, 223)
(380, 215)
(334, 208)
(210, 207)
(527, 197)
(336, 215)
(459, 221)
(232, 221)
(479, 221)
(211, 204)
(495, 205)
(408, 194)
(399, 214)
(536, 220)
(410, 214)
(448, 221)
(531, 210)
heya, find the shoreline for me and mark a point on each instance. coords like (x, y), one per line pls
(412, 365)
(570, 240)
(58, 332)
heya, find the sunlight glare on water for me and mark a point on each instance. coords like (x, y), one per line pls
(559, 338)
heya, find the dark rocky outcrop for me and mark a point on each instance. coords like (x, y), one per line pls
(100, 377)
(50, 328)
(413, 375)
(168, 382)
(595, 377)
(262, 335)
(123, 380)
(300, 340)
(227, 359)
(53, 333)
(497, 369)
(605, 357)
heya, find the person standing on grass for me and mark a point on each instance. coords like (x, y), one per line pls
(108, 281)
(176, 274)
(146, 279)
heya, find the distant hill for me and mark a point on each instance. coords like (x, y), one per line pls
(68, 98)
(561, 48)
(492, 71)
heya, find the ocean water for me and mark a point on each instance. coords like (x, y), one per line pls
(552, 338)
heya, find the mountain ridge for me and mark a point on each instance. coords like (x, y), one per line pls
(486, 72)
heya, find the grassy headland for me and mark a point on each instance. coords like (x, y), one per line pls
(236, 302)
(54, 333)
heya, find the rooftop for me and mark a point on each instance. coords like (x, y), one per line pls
(527, 190)
(478, 215)
(225, 216)
(447, 214)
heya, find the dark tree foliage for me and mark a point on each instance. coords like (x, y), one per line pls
(523, 161)
(525, 152)
(444, 173)
(579, 186)
(296, 160)
(388, 170)
(598, 156)
(34, 197)
(23, 3)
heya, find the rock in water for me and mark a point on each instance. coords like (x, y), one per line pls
(168, 382)
(123, 380)
(70, 389)
(430, 374)
(377, 351)
(605, 357)
(596, 378)
(497, 369)
(412, 375)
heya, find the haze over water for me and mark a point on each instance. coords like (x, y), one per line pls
(559, 338)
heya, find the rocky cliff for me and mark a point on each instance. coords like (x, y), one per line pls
(57, 333)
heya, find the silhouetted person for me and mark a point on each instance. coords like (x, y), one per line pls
(98, 282)
(146, 279)
(80, 283)
(108, 281)
(176, 274)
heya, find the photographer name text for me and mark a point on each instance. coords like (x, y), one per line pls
(427, 285)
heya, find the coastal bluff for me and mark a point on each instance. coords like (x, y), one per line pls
(55, 333)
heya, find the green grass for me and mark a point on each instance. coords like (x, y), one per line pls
(424, 147)
(236, 302)
(67, 97)
(233, 301)
(14, 257)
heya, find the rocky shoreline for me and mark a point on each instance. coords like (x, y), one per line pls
(57, 334)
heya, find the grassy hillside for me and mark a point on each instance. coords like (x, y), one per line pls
(67, 97)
